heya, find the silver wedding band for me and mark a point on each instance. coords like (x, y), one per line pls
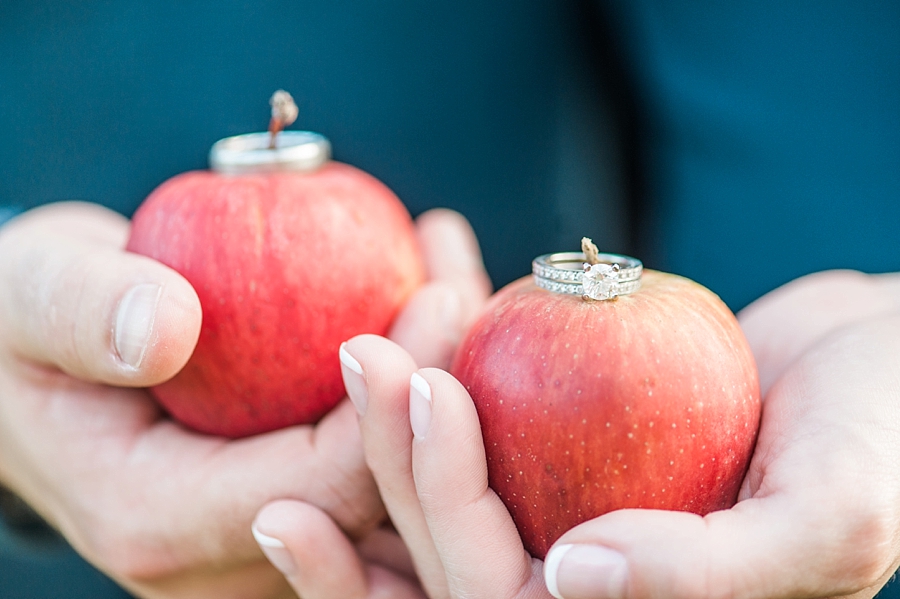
(569, 273)
(294, 151)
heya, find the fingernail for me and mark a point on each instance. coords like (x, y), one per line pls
(585, 572)
(354, 380)
(419, 405)
(275, 552)
(134, 322)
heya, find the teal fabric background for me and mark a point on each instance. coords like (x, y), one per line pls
(34, 564)
(492, 108)
(771, 137)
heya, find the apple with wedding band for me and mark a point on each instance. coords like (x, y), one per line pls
(290, 253)
(602, 386)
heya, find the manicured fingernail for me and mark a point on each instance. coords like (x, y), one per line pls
(134, 322)
(585, 572)
(276, 552)
(354, 380)
(419, 405)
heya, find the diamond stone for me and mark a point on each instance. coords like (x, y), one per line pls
(600, 280)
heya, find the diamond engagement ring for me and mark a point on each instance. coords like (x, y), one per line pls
(569, 272)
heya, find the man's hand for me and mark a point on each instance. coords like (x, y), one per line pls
(164, 511)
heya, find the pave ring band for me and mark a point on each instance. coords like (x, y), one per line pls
(569, 273)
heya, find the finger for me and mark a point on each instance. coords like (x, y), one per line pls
(71, 297)
(452, 256)
(376, 375)
(318, 561)
(472, 530)
(430, 325)
(809, 309)
(434, 320)
(304, 544)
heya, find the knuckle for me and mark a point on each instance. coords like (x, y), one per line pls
(46, 303)
(73, 340)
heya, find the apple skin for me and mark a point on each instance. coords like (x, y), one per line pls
(647, 401)
(287, 265)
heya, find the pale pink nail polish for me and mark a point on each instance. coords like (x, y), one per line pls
(354, 380)
(585, 572)
(275, 552)
(419, 405)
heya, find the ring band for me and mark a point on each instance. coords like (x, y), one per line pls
(295, 151)
(569, 273)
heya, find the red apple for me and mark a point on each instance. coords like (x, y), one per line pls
(647, 401)
(287, 265)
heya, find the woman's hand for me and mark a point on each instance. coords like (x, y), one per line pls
(165, 511)
(819, 511)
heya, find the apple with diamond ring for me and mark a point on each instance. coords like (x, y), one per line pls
(648, 401)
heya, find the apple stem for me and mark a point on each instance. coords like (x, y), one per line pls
(284, 112)
(591, 253)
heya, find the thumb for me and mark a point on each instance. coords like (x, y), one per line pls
(765, 547)
(72, 298)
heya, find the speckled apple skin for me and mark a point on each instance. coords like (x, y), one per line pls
(647, 401)
(287, 266)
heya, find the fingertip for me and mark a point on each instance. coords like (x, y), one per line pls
(156, 326)
(452, 393)
(442, 217)
(551, 568)
(309, 549)
(381, 360)
(585, 571)
(452, 254)
(449, 405)
(274, 548)
(419, 406)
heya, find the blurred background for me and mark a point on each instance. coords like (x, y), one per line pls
(741, 144)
